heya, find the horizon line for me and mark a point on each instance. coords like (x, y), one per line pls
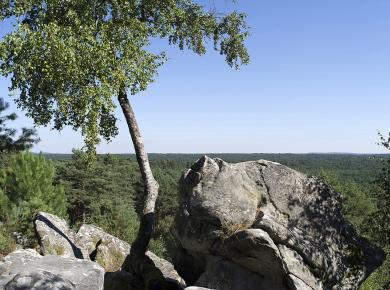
(216, 153)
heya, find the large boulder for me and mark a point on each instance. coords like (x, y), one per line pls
(261, 225)
(26, 269)
(55, 237)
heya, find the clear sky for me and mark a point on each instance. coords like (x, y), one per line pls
(319, 81)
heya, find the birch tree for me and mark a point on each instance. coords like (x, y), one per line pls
(71, 59)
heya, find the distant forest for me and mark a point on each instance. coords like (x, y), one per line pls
(109, 192)
(357, 167)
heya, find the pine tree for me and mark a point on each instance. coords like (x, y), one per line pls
(98, 193)
(377, 224)
(27, 186)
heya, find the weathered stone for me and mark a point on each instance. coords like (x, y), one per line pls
(167, 270)
(298, 269)
(253, 249)
(271, 220)
(85, 275)
(55, 237)
(107, 250)
(111, 252)
(210, 204)
(41, 280)
(18, 260)
(94, 244)
(295, 283)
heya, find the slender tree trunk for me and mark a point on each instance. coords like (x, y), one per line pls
(140, 245)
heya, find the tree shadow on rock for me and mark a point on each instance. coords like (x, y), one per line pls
(76, 251)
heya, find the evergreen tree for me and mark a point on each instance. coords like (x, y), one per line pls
(27, 186)
(101, 193)
(8, 140)
(378, 223)
(357, 202)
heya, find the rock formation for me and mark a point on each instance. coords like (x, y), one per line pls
(254, 225)
(26, 269)
(261, 225)
(89, 259)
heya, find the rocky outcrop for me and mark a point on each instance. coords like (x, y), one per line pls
(26, 269)
(261, 225)
(111, 252)
(92, 243)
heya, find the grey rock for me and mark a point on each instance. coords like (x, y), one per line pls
(41, 280)
(295, 283)
(93, 243)
(55, 237)
(85, 275)
(167, 271)
(18, 260)
(107, 250)
(253, 249)
(297, 268)
(271, 220)
(111, 253)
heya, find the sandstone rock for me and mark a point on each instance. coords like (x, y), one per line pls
(93, 243)
(28, 265)
(295, 283)
(111, 252)
(167, 271)
(39, 281)
(254, 250)
(280, 228)
(55, 237)
(107, 250)
(297, 269)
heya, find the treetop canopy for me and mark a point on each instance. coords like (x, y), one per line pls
(68, 58)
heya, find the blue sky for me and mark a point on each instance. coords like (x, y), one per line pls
(319, 81)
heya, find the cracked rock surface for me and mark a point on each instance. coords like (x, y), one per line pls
(26, 269)
(261, 225)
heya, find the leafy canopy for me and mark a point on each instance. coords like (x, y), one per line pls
(68, 58)
(8, 140)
